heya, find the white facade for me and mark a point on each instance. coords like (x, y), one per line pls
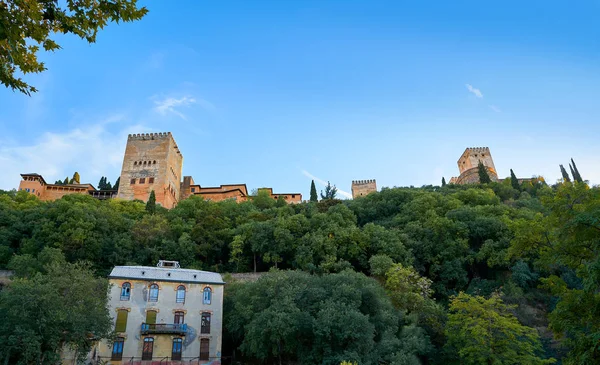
(203, 296)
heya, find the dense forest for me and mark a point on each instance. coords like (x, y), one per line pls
(497, 273)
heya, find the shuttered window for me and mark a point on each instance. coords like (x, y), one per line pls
(176, 353)
(117, 350)
(204, 349)
(179, 318)
(148, 348)
(121, 325)
(180, 298)
(153, 297)
(151, 317)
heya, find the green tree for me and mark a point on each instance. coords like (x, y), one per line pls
(151, 203)
(66, 181)
(564, 173)
(443, 181)
(484, 177)
(76, 178)
(514, 182)
(313, 192)
(116, 187)
(67, 306)
(575, 171)
(25, 26)
(484, 331)
(330, 192)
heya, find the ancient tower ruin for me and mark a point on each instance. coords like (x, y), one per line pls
(468, 165)
(363, 187)
(152, 162)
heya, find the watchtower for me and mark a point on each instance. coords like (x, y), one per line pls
(468, 165)
(363, 187)
(152, 162)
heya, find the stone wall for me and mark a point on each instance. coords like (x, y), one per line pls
(363, 187)
(152, 161)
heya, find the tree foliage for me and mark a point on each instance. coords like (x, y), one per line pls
(66, 305)
(313, 192)
(484, 331)
(514, 182)
(25, 26)
(484, 176)
(564, 174)
(330, 192)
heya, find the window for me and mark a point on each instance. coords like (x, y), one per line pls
(180, 294)
(179, 317)
(117, 350)
(121, 324)
(207, 295)
(176, 353)
(293, 196)
(27, 190)
(151, 317)
(150, 180)
(204, 349)
(148, 348)
(142, 180)
(153, 293)
(132, 181)
(205, 323)
(125, 291)
(33, 190)
(193, 190)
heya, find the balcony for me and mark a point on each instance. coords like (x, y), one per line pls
(166, 328)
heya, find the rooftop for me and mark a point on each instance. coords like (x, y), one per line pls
(166, 274)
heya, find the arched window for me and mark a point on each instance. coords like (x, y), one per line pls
(153, 295)
(207, 295)
(180, 294)
(117, 350)
(125, 291)
(148, 348)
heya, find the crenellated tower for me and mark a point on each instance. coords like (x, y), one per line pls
(468, 165)
(363, 187)
(152, 162)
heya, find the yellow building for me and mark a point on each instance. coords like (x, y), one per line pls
(164, 314)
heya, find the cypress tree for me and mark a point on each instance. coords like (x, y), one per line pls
(572, 173)
(101, 183)
(576, 175)
(151, 204)
(564, 173)
(116, 187)
(75, 178)
(514, 181)
(66, 181)
(443, 181)
(313, 192)
(484, 177)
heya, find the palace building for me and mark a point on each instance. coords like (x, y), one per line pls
(152, 162)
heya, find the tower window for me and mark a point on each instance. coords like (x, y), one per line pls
(151, 180)
(142, 180)
(132, 181)
(135, 163)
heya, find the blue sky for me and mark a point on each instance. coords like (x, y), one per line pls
(268, 93)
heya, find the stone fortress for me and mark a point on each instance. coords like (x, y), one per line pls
(363, 187)
(152, 162)
(468, 166)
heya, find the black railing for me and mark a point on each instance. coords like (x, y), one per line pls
(177, 328)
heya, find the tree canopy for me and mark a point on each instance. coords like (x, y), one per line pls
(25, 26)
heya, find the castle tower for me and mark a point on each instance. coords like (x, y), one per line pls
(468, 165)
(363, 187)
(152, 162)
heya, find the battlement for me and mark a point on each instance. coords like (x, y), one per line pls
(147, 136)
(363, 182)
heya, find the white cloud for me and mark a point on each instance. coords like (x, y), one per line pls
(324, 183)
(174, 105)
(475, 91)
(92, 150)
(495, 108)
